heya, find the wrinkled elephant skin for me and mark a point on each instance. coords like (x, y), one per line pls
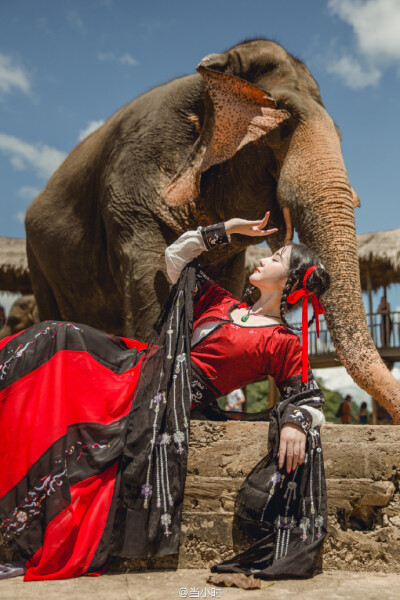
(246, 134)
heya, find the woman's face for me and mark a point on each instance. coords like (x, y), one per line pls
(272, 273)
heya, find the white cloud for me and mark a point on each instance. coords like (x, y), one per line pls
(127, 59)
(75, 20)
(354, 74)
(338, 380)
(376, 27)
(42, 158)
(12, 76)
(28, 192)
(20, 216)
(153, 26)
(91, 126)
(106, 56)
(123, 59)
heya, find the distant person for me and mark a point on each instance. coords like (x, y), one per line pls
(363, 414)
(235, 400)
(2, 316)
(386, 321)
(345, 411)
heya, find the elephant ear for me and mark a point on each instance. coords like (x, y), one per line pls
(237, 114)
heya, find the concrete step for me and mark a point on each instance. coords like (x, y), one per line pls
(192, 583)
(362, 466)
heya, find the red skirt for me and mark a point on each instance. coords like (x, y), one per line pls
(65, 392)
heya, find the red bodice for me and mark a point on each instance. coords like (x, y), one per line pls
(232, 355)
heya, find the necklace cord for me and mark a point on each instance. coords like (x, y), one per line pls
(245, 317)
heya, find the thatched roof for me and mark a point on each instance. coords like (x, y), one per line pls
(14, 272)
(379, 253)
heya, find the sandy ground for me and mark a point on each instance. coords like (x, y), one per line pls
(191, 583)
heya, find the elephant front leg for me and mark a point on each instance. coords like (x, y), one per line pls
(146, 288)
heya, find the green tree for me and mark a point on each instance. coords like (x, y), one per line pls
(257, 399)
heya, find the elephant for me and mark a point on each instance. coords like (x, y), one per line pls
(247, 133)
(23, 313)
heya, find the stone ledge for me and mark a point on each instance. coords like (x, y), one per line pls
(217, 494)
(363, 474)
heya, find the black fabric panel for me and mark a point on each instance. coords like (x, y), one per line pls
(36, 345)
(87, 449)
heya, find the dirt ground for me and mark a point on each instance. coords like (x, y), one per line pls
(192, 583)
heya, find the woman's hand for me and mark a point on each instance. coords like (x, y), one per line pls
(292, 446)
(253, 228)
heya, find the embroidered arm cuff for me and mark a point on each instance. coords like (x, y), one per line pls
(215, 235)
(298, 416)
(306, 408)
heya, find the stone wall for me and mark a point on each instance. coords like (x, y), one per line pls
(362, 466)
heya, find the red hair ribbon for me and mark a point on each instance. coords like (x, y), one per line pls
(318, 310)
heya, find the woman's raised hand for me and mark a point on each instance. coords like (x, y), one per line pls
(253, 228)
(292, 446)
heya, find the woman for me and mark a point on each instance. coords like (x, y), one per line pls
(363, 415)
(386, 325)
(93, 461)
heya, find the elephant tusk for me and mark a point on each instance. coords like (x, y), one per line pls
(356, 199)
(288, 224)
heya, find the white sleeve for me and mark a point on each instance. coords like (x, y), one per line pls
(187, 247)
(318, 417)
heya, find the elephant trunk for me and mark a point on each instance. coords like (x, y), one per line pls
(322, 211)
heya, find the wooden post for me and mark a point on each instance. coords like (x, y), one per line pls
(375, 405)
(273, 392)
(386, 320)
(244, 406)
(371, 318)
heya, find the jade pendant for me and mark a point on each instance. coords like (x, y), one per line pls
(244, 318)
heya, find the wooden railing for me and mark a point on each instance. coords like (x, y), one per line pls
(384, 332)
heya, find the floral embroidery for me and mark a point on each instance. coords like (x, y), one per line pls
(81, 448)
(21, 348)
(298, 417)
(294, 385)
(24, 514)
(198, 390)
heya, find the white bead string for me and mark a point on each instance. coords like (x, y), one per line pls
(158, 504)
(160, 456)
(278, 537)
(169, 496)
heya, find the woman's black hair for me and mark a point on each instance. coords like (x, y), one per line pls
(363, 405)
(301, 259)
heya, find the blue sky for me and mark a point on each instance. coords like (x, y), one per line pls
(66, 66)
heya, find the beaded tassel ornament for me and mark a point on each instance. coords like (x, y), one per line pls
(284, 524)
(180, 434)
